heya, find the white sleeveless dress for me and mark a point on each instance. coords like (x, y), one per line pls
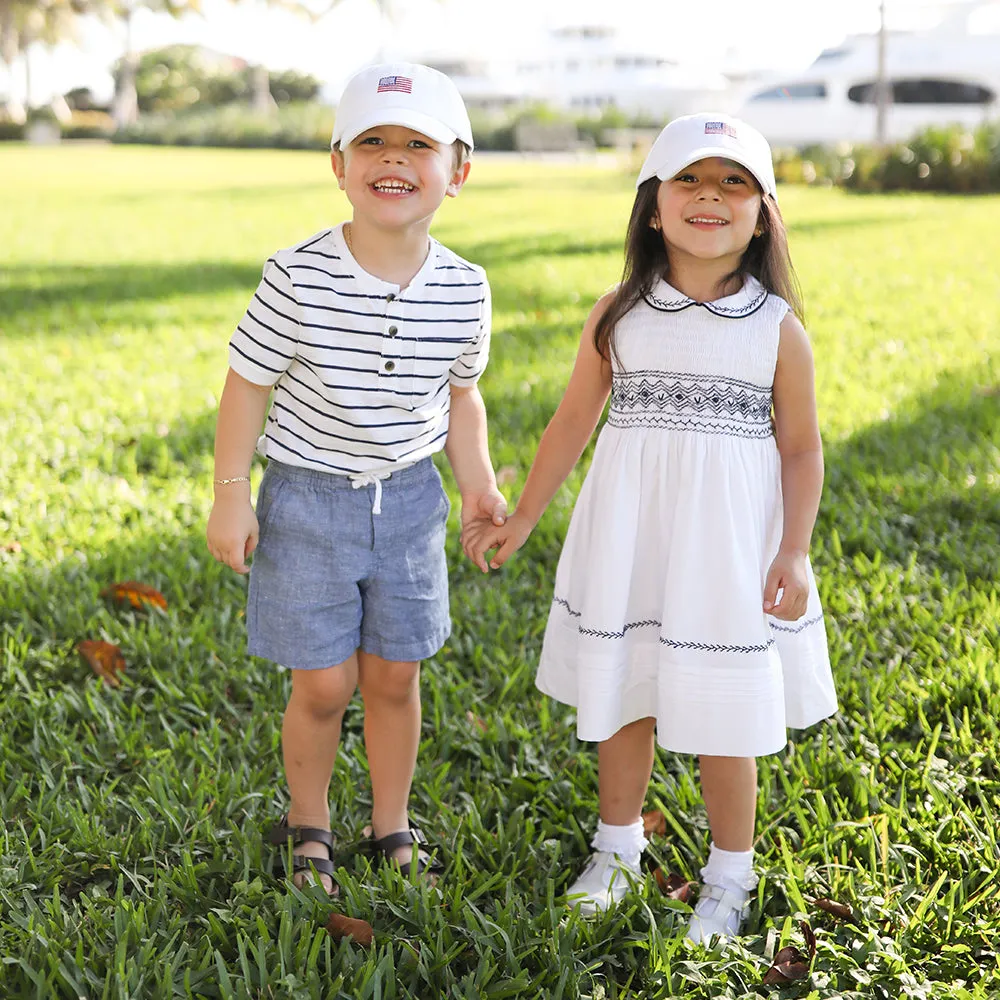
(658, 596)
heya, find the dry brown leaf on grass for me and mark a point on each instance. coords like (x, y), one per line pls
(654, 822)
(474, 720)
(790, 965)
(105, 659)
(339, 926)
(506, 474)
(11, 546)
(674, 886)
(839, 910)
(139, 595)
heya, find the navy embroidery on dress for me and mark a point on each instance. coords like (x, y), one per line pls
(709, 404)
(799, 626)
(705, 647)
(714, 647)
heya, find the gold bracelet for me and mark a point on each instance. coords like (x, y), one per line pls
(235, 479)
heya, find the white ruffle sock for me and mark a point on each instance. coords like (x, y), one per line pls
(728, 879)
(628, 841)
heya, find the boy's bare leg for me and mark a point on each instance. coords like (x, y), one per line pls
(625, 764)
(729, 788)
(310, 737)
(391, 693)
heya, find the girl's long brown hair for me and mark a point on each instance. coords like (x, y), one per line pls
(766, 258)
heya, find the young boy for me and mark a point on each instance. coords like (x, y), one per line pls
(372, 336)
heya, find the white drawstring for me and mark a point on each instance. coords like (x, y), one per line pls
(371, 479)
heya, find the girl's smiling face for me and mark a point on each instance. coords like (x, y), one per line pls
(397, 176)
(709, 210)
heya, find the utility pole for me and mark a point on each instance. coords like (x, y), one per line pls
(882, 90)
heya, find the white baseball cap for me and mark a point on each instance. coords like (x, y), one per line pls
(695, 137)
(407, 94)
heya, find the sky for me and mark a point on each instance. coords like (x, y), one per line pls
(776, 36)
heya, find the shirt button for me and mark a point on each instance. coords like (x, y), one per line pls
(390, 296)
(390, 365)
(393, 330)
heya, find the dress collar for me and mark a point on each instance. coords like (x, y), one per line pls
(747, 300)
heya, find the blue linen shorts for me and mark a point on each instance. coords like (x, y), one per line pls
(329, 576)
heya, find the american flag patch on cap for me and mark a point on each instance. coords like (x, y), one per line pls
(720, 128)
(399, 84)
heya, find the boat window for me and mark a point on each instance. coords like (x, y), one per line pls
(792, 92)
(925, 91)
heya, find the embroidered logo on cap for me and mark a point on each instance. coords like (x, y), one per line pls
(720, 128)
(396, 84)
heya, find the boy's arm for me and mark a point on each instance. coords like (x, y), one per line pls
(232, 525)
(468, 452)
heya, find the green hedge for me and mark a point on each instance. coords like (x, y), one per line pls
(294, 126)
(936, 159)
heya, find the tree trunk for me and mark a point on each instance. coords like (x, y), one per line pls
(883, 92)
(28, 87)
(263, 102)
(126, 102)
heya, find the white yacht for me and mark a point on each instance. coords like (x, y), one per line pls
(586, 68)
(948, 74)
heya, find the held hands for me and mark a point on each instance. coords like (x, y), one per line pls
(788, 574)
(506, 539)
(232, 531)
(481, 513)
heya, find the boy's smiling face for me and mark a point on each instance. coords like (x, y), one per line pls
(396, 177)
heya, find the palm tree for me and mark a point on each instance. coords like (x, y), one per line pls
(25, 22)
(10, 46)
(125, 108)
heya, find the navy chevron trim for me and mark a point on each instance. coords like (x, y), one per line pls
(798, 627)
(706, 647)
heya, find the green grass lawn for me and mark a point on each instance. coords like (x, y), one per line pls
(131, 862)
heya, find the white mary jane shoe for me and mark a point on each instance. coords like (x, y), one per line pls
(718, 913)
(602, 883)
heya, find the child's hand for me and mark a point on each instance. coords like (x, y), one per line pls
(232, 531)
(506, 540)
(788, 574)
(480, 513)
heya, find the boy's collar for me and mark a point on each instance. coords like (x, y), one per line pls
(373, 281)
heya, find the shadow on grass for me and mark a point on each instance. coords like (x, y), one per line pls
(810, 226)
(917, 483)
(36, 289)
(258, 193)
(920, 482)
(184, 448)
(541, 246)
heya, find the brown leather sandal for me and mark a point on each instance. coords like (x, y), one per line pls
(383, 847)
(283, 833)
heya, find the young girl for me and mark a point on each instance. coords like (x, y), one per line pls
(684, 601)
